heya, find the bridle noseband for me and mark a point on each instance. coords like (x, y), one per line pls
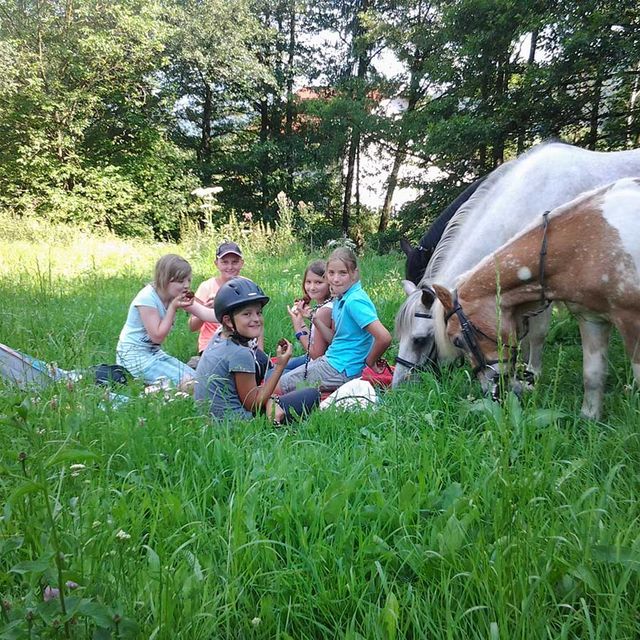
(414, 366)
(470, 334)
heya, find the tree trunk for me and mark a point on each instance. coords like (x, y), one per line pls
(401, 151)
(633, 99)
(264, 158)
(595, 113)
(532, 48)
(392, 183)
(354, 143)
(289, 112)
(204, 152)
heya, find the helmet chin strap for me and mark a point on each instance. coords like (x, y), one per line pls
(235, 336)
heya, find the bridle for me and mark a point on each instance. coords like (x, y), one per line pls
(544, 301)
(415, 366)
(470, 331)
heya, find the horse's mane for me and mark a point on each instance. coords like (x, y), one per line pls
(468, 209)
(404, 317)
(460, 217)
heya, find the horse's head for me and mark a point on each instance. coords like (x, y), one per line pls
(491, 355)
(415, 333)
(417, 260)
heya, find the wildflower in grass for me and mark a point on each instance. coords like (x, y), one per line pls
(96, 524)
(142, 421)
(51, 593)
(256, 621)
(123, 535)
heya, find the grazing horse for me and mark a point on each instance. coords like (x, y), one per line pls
(586, 254)
(418, 257)
(544, 178)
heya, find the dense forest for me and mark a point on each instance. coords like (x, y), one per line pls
(120, 114)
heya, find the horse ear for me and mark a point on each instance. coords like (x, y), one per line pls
(408, 287)
(444, 295)
(405, 245)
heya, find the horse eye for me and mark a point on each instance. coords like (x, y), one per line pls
(458, 342)
(420, 342)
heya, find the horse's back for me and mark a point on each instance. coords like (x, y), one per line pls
(542, 179)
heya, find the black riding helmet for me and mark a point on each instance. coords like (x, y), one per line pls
(236, 293)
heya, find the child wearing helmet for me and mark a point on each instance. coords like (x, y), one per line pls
(228, 375)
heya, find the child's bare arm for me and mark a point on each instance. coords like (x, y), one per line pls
(157, 328)
(201, 312)
(323, 334)
(381, 342)
(254, 397)
(195, 323)
(323, 322)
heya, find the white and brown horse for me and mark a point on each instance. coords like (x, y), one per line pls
(510, 199)
(586, 254)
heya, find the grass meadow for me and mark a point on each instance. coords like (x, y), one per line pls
(435, 515)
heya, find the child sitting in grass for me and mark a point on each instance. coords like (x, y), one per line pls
(315, 306)
(228, 375)
(229, 262)
(150, 319)
(360, 338)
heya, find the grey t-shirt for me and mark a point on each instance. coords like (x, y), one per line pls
(214, 380)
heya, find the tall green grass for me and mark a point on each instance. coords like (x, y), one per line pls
(436, 515)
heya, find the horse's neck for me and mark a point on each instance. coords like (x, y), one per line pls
(510, 273)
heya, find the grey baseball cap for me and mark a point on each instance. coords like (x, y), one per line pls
(226, 248)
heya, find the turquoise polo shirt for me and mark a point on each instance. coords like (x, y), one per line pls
(351, 343)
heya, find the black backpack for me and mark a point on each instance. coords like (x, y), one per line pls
(111, 374)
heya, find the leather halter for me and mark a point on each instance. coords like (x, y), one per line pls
(414, 366)
(544, 301)
(470, 334)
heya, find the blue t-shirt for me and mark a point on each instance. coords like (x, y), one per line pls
(351, 342)
(215, 382)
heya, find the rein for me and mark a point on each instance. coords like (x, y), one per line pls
(544, 301)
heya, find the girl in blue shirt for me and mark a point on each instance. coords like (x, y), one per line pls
(360, 338)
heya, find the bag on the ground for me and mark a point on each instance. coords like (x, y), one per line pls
(382, 379)
(111, 374)
(355, 394)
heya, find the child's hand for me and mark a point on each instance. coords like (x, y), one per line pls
(283, 351)
(296, 317)
(184, 300)
(304, 308)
